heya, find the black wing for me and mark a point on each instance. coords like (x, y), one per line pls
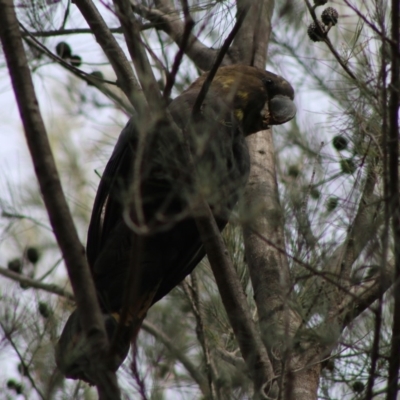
(173, 251)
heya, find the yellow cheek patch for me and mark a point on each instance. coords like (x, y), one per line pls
(243, 94)
(239, 114)
(226, 82)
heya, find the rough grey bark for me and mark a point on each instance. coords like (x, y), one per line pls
(251, 44)
(268, 265)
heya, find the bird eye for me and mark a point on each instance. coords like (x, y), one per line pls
(268, 82)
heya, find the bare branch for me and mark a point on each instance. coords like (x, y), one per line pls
(48, 287)
(65, 32)
(56, 205)
(221, 54)
(362, 296)
(192, 293)
(193, 370)
(189, 24)
(79, 31)
(125, 77)
(168, 20)
(362, 230)
(381, 34)
(108, 88)
(234, 299)
(138, 54)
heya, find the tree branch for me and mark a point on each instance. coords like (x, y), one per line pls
(168, 20)
(189, 24)
(125, 78)
(56, 205)
(192, 295)
(221, 54)
(362, 296)
(362, 230)
(193, 370)
(330, 46)
(79, 31)
(234, 299)
(268, 266)
(48, 287)
(251, 44)
(108, 88)
(231, 359)
(32, 381)
(139, 57)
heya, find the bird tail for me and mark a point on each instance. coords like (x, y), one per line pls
(73, 352)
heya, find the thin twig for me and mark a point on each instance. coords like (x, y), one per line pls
(329, 44)
(44, 50)
(189, 24)
(7, 214)
(100, 84)
(139, 57)
(193, 296)
(48, 287)
(122, 68)
(381, 33)
(360, 231)
(168, 20)
(221, 54)
(328, 277)
(192, 369)
(22, 361)
(77, 31)
(63, 32)
(136, 373)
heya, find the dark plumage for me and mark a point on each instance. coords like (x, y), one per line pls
(242, 100)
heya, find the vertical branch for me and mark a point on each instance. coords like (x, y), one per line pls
(268, 267)
(189, 24)
(234, 299)
(122, 68)
(192, 293)
(221, 54)
(166, 18)
(251, 43)
(386, 224)
(394, 201)
(195, 373)
(138, 54)
(54, 199)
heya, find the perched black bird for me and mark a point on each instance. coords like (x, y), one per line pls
(142, 237)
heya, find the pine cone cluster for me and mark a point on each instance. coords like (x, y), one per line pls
(317, 32)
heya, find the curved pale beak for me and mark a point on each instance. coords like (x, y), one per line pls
(281, 109)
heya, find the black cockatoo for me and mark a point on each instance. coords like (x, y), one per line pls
(142, 237)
